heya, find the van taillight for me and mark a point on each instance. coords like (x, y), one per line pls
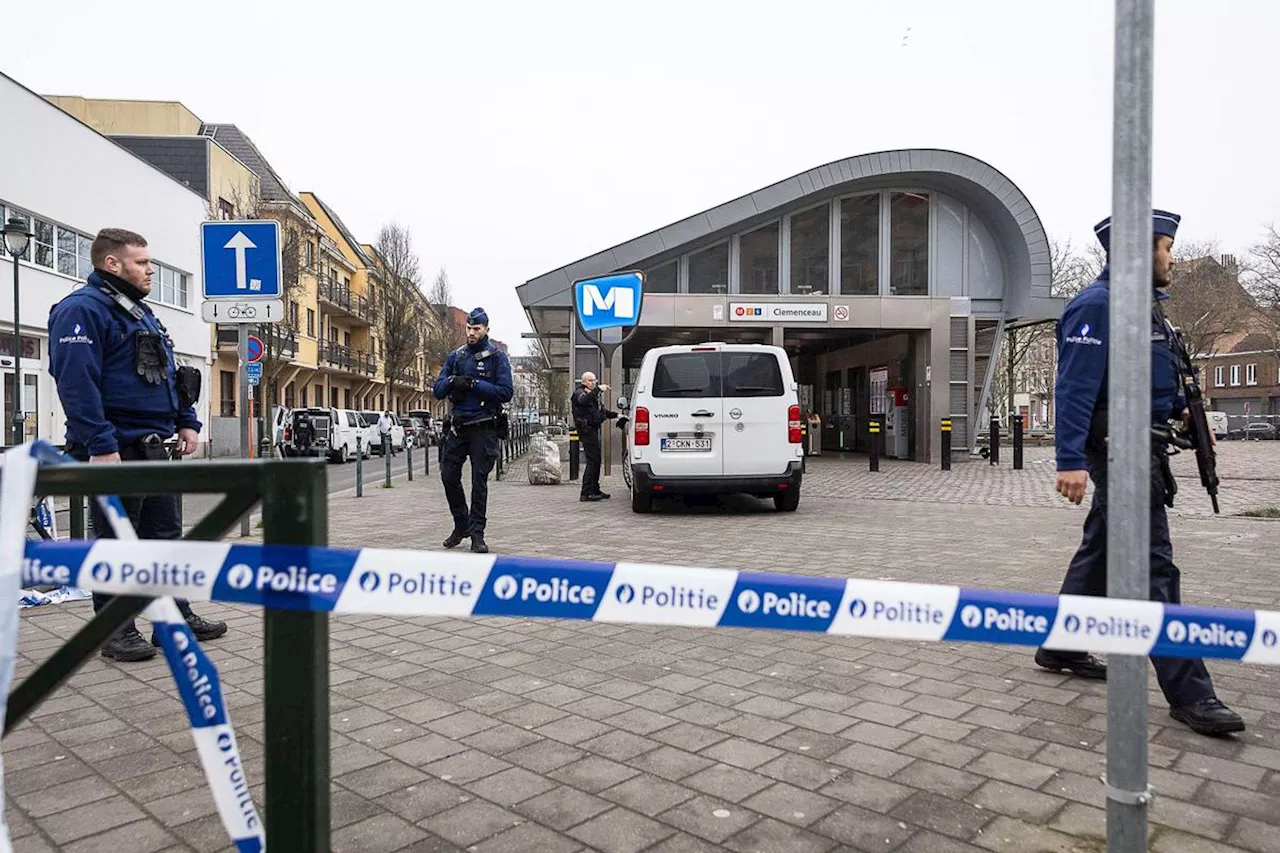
(793, 424)
(642, 427)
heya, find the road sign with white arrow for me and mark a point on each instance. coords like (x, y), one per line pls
(241, 259)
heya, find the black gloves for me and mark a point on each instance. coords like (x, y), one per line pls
(610, 415)
(461, 383)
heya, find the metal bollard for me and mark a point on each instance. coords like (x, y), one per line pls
(502, 452)
(873, 427)
(408, 459)
(946, 444)
(387, 453)
(994, 442)
(574, 451)
(359, 466)
(1017, 441)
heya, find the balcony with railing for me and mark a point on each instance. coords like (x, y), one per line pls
(348, 360)
(344, 301)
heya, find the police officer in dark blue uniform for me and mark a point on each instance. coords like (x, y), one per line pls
(476, 377)
(1080, 436)
(124, 395)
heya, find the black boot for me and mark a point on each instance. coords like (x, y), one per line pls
(604, 496)
(128, 646)
(455, 539)
(1208, 717)
(204, 629)
(590, 498)
(478, 544)
(1077, 664)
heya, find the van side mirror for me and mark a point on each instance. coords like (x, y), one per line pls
(622, 403)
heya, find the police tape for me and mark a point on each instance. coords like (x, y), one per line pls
(425, 583)
(194, 674)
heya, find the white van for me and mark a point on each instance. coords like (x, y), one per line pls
(1218, 423)
(715, 418)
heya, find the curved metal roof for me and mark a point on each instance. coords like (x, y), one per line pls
(1006, 211)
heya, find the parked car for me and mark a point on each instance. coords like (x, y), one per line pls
(415, 433)
(429, 424)
(1260, 431)
(715, 419)
(397, 431)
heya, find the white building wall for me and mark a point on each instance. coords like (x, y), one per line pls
(57, 169)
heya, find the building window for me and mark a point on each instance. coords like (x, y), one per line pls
(311, 322)
(227, 391)
(860, 245)
(663, 279)
(319, 395)
(709, 270)
(1235, 374)
(302, 396)
(1251, 374)
(810, 255)
(909, 244)
(67, 260)
(289, 396)
(311, 253)
(758, 260)
(293, 315)
(84, 265)
(346, 398)
(1219, 376)
(333, 397)
(43, 243)
(382, 406)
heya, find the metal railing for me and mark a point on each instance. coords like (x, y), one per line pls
(352, 360)
(514, 446)
(341, 296)
(296, 650)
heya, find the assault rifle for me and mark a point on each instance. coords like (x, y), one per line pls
(1198, 433)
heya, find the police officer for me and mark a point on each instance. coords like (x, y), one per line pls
(1080, 435)
(124, 395)
(476, 377)
(588, 414)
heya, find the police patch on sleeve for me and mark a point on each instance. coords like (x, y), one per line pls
(1083, 336)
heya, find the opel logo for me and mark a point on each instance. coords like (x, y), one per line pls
(697, 427)
(735, 413)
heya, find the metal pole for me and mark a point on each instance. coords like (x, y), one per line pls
(17, 359)
(575, 449)
(296, 672)
(1129, 357)
(408, 459)
(606, 450)
(387, 453)
(873, 430)
(1016, 418)
(994, 441)
(359, 466)
(243, 349)
(946, 444)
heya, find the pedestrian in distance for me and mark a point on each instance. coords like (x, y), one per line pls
(1081, 439)
(124, 395)
(384, 432)
(588, 414)
(476, 378)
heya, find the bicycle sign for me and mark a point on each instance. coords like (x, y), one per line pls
(243, 311)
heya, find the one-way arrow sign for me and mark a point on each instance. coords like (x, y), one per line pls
(241, 259)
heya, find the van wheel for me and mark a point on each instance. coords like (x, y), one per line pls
(641, 502)
(787, 501)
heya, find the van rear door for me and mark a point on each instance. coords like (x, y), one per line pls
(686, 415)
(757, 396)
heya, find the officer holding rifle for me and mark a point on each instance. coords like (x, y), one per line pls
(1081, 436)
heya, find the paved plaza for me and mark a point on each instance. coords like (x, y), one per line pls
(513, 736)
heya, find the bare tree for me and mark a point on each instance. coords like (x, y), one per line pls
(442, 336)
(1206, 299)
(1262, 280)
(398, 305)
(1072, 270)
(553, 386)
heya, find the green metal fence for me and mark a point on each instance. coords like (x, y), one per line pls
(293, 495)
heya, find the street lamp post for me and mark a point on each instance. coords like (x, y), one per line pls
(16, 240)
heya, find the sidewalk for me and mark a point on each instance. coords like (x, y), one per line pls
(518, 735)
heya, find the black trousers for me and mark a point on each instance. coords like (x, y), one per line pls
(153, 517)
(1183, 681)
(589, 439)
(480, 445)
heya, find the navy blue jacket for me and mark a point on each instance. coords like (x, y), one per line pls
(91, 357)
(491, 369)
(1081, 387)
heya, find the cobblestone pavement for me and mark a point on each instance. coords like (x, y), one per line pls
(517, 735)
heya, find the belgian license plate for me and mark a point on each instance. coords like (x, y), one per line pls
(685, 444)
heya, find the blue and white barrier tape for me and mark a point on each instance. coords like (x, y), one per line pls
(194, 674)
(422, 583)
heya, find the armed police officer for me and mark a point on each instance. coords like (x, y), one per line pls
(476, 377)
(588, 414)
(1081, 438)
(124, 396)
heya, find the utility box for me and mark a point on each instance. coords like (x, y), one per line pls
(897, 426)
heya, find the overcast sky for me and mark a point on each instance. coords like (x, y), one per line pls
(513, 138)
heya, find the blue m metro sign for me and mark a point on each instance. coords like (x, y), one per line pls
(608, 302)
